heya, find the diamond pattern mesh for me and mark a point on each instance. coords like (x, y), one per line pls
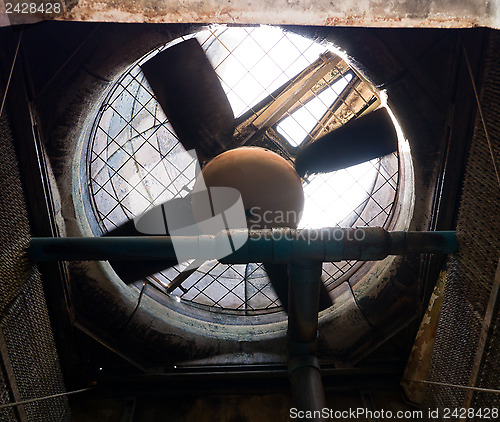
(131, 137)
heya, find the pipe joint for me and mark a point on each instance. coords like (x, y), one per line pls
(297, 348)
(301, 361)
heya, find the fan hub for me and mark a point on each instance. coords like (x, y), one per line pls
(270, 187)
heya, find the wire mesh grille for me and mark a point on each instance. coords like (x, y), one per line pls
(26, 329)
(6, 414)
(24, 321)
(471, 273)
(131, 137)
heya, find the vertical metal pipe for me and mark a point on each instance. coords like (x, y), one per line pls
(303, 304)
(303, 300)
(307, 391)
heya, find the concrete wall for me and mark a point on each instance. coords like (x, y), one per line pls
(381, 13)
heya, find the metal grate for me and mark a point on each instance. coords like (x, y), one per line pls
(471, 273)
(29, 363)
(7, 414)
(26, 329)
(131, 136)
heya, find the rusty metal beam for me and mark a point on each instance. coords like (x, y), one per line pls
(292, 95)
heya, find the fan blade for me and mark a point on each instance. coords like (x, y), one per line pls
(131, 271)
(278, 276)
(192, 97)
(360, 140)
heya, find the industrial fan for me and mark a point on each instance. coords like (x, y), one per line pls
(191, 95)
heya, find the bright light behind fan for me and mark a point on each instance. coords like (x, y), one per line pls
(252, 65)
(339, 193)
(131, 136)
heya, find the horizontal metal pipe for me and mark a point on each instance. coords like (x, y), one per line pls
(271, 245)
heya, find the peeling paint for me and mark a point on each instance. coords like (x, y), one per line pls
(374, 13)
(420, 357)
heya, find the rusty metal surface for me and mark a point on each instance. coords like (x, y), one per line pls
(420, 357)
(396, 13)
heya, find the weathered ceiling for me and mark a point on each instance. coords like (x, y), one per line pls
(380, 13)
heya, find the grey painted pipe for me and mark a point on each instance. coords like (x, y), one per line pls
(307, 389)
(272, 245)
(303, 368)
(304, 250)
(303, 301)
